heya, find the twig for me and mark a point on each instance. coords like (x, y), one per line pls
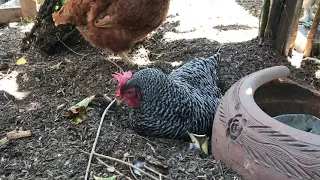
(4, 94)
(156, 172)
(122, 71)
(135, 177)
(128, 164)
(71, 49)
(152, 148)
(3, 141)
(96, 140)
(220, 46)
(16, 134)
(116, 171)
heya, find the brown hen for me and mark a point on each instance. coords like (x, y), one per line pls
(113, 24)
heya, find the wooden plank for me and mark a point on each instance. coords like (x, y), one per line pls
(287, 23)
(28, 8)
(10, 15)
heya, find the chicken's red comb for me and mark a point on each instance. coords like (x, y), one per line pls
(122, 78)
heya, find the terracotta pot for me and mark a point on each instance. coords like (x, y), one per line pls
(258, 147)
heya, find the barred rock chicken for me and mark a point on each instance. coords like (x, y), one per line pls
(169, 106)
(113, 24)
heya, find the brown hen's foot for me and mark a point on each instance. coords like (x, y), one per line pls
(126, 58)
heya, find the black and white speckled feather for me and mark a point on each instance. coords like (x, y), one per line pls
(185, 100)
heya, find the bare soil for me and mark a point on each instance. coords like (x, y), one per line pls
(56, 82)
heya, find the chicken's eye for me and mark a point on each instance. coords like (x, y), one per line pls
(129, 92)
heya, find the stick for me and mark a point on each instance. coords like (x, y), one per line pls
(294, 37)
(16, 134)
(118, 172)
(121, 70)
(128, 164)
(312, 33)
(3, 141)
(220, 46)
(96, 140)
(156, 172)
(264, 20)
(135, 177)
(71, 49)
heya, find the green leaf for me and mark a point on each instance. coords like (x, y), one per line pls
(21, 61)
(108, 178)
(201, 141)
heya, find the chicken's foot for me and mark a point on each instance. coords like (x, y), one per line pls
(125, 58)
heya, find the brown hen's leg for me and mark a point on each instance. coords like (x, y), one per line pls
(126, 58)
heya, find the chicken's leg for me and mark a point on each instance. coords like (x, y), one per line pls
(124, 57)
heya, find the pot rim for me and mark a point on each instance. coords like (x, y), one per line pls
(246, 94)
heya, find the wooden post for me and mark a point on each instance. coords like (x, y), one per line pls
(289, 16)
(264, 20)
(274, 18)
(294, 36)
(312, 33)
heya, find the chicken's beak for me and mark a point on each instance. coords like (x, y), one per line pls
(119, 101)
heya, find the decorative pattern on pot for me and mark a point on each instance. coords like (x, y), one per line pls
(235, 126)
(271, 149)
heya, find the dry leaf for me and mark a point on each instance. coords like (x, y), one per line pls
(21, 61)
(78, 115)
(57, 66)
(200, 141)
(78, 112)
